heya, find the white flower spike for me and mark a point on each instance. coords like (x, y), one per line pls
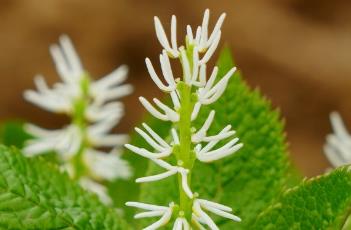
(88, 104)
(338, 146)
(188, 94)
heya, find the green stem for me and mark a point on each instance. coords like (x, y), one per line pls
(79, 120)
(185, 158)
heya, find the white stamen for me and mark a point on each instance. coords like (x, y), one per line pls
(201, 133)
(171, 114)
(186, 66)
(148, 214)
(189, 33)
(155, 136)
(174, 32)
(184, 173)
(211, 49)
(196, 111)
(204, 30)
(175, 136)
(156, 177)
(155, 78)
(216, 29)
(152, 110)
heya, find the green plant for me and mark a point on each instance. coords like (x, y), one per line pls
(257, 182)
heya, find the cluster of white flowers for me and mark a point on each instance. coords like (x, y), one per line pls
(93, 113)
(338, 144)
(206, 91)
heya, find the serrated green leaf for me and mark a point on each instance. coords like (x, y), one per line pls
(320, 203)
(35, 195)
(252, 178)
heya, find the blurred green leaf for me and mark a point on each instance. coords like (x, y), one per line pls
(12, 133)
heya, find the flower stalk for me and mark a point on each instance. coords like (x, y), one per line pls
(89, 105)
(188, 144)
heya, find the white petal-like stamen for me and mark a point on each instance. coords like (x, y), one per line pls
(174, 32)
(338, 145)
(222, 83)
(175, 136)
(216, 29)
(215, 208)
(161, 222)
(210, 81)
(196, 111)
(184, 173)
(155, 210)
(211, 144)
(175, 99)
(149, 140)
(150, 207)
(220, 136)
(208, 96)
(146, 153)
(204, 30)
(189, 34)
(148, 214)
(167, 70)
(156, 177)
(198, 35)
(156, 136)
(211, 49)
(203, 216)
(154, 112)
(156, 79)
(202, 76)
(170, 113)
(215, 205)
(181, 224)
(186, 66)
(201, 133)
(197, 222)
(162, 37)
(226, 150)
(196, 65)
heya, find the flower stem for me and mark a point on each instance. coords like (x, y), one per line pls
(186, 156)
(79, 120)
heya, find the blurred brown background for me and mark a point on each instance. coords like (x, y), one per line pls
(297, 52)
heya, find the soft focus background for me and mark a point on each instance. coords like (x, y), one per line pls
(297, 52)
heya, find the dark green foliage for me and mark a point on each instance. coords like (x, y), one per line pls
(35, 195)
(12, 133)
(320, 203)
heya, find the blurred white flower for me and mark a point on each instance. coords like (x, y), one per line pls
(338, 144)
(93, 115)
(98, 189)
(107, 166)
